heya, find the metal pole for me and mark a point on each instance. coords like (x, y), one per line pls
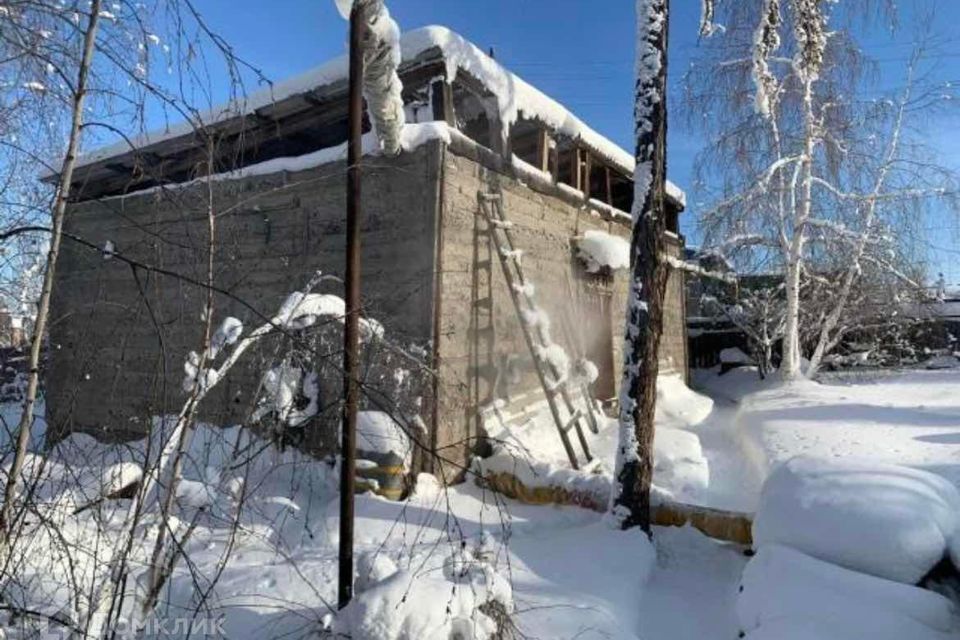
(351, 334)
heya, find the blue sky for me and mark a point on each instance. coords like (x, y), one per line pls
(581, 53)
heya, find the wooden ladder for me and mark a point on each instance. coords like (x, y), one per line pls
(491, 206)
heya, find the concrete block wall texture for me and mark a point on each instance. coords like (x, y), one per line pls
(119, 336)
(475, 369)
(673, 341)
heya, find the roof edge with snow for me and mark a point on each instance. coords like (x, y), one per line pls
(515, 98)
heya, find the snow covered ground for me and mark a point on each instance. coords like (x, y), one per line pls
(908, 417)
(268, 569)
(528, 447)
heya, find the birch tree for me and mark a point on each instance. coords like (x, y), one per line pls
(77, 94)
(69, 73)
(633, 473)
(815, 181)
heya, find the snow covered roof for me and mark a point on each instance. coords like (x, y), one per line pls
(515, 97)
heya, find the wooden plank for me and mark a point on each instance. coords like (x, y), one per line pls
(575, 168)
(543, 150)
(587, 169)
(441, 94)
(608, 178)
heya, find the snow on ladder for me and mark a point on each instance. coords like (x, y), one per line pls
(552, 380)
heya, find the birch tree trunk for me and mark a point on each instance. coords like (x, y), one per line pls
(630, 499)
(790, 365)
(43, 309)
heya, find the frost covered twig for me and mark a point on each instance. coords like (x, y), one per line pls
(43, 309)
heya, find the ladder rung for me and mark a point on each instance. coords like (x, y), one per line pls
(572, 421)
(483, 264)
(491, 206)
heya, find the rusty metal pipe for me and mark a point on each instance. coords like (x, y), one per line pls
(351, 331)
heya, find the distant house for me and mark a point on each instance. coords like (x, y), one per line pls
(12, 330)
(709, 332)
(941, 311)
(430, 274)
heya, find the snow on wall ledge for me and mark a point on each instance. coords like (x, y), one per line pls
(515, 98)
(412, 136)
(599, 249)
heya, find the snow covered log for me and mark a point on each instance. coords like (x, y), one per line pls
(730, 526)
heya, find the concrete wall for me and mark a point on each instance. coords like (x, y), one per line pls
(482, 350)
(477, 364)
(119, 338)
(673, 342)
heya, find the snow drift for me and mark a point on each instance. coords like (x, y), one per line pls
(528, 447)
(886, 520)
(787, 592)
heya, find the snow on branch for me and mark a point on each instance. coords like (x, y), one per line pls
(891, 269)
(738, 242)
(690, 267)
(707, 26)
(903, 194)
(766, 41)
(810, 31)
(759, 187)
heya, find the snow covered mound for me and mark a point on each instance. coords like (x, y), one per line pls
(678, 405)
(378, 433)
(734, 355)
(527, 446)
(882, 519)
(948, 361)
(431, 605)
(680, 470)
(872, 626)
(787, 594)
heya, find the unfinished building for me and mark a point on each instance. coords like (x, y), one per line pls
(272, 171)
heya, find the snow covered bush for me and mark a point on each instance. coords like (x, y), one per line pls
(299, 401)
(465, 599)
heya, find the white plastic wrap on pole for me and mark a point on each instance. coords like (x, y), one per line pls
(381, 84)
